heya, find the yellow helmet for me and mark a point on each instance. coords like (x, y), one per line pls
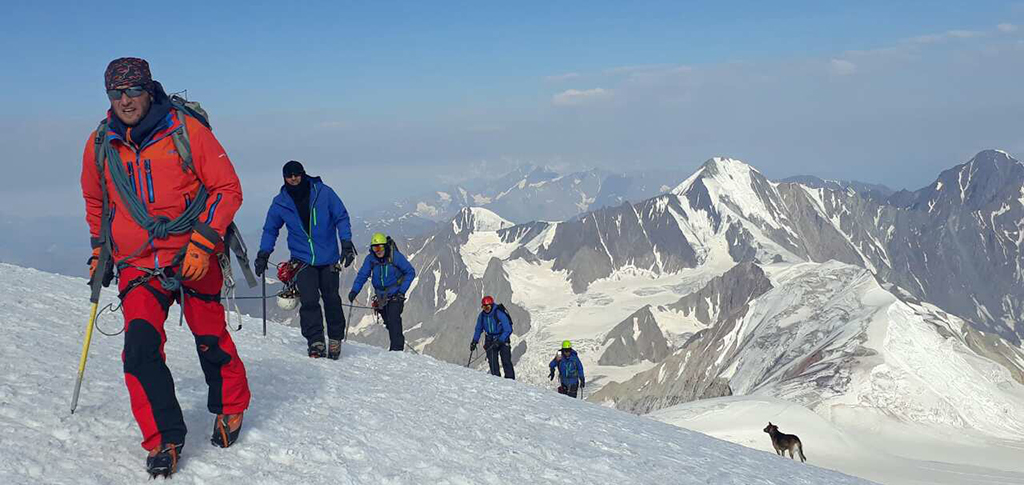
(566, 344)
(378, 238)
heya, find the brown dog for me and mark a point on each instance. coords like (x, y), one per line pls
(783, 442)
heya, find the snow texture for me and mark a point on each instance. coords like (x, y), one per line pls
(372, 417)
(875, 447)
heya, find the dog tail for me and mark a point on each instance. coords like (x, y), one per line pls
(800, 449)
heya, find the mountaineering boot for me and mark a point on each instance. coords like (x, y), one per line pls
(317, 350)
(226, 429)
(163, 461)
(333, 349)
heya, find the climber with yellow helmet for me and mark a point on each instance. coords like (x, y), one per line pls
(391, 276)
(570, 370)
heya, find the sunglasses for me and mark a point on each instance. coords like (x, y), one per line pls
(377, 246)
(132, 92)
(292, 175)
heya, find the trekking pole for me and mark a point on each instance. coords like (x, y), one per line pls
(470, 358)
(348, 321)
(263, 285)
(97, 286)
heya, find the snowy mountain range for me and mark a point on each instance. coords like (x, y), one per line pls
(823, 296)
(729, 293)
(526, 193)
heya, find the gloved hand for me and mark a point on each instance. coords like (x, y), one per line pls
(352, 296)
(108, 272)
(93, 261)
(583, 383)
(398, 296)
(197, 257)
(348, 253)
(551, 375)
(262, 258)
(472, 346)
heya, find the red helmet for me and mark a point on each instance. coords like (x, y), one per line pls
(488, 300)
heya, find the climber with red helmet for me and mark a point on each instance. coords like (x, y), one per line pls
(495, 322)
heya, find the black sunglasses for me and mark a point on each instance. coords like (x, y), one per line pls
(132, 92)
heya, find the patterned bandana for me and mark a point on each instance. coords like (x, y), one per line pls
(128, 71)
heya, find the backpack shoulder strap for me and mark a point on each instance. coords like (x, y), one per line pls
(182, 143)
(100, 143)
(99, 149)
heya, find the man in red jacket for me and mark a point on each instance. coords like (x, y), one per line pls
(165, 251)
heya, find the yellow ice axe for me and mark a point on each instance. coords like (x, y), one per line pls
(85, 355)
(100, 277)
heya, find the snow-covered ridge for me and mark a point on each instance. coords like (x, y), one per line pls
(373, 417)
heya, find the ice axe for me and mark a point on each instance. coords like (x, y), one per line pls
(96, 284)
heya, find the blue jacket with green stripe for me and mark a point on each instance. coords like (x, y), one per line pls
(388, 275)
(328, 223)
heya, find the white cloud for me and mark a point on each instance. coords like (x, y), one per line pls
(927, 39)
(964, 34)
(1006, 28)
(562, 77)
(842, 67)
(949, 34)
(573, 97)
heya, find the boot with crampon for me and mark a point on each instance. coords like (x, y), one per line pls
(163, 461)
(333, 349)
(317, 350)
(226, 429)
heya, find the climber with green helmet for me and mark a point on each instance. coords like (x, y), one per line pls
(391, 276)
(570, 370)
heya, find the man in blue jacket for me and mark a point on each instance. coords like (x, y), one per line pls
(317, 220)
(570, 370)
(391, 276)
(498, 329)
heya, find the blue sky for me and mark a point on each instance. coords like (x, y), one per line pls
(399, 93)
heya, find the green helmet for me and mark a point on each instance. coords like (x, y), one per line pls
(566, 344)
(378, 238)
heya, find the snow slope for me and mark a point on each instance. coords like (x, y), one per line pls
(373, 417)
(877, 448)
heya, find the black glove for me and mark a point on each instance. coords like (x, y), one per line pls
(583, 383)
(260, 265)
(551, 375)
(348, 253)
(398, 296)
(352, 296)
(472, 346)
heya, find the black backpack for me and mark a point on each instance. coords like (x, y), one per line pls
(501, 307)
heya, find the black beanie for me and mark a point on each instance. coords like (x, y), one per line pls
(292, 168)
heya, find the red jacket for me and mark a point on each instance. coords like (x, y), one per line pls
(164, 189)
